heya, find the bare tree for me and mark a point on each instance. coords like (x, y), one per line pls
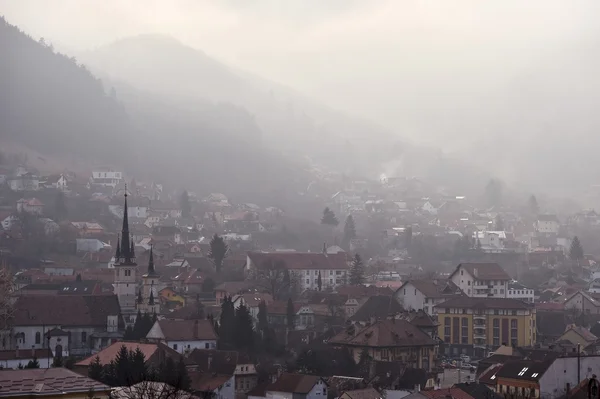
(6, 300)
(151, 390)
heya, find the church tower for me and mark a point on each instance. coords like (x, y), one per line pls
(149, 301)
(126, 271)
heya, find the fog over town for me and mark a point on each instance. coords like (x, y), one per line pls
(273, 199)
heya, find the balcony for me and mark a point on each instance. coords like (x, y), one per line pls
(479, 342)
(479, 335)
(479, 317)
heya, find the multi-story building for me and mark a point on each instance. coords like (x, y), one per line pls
(479, 325)
(106, 178)
(425, 294)
(306, 266)
(481, 280)
(584, 302)
(389, 340)
(547, 224)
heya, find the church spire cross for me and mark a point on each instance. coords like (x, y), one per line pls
(127, 252)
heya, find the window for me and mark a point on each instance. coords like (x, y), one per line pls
(514, 332)
(447, 329)
(461, 272)
(456, 330)
(465, 331)
(496, 332)
(206, 346)
(307, 281)
(38, 337)
(405, 291)
(534, 375)
(502, 290)
(522, 372)
(469, 282)
(83, 337)
(175, 346)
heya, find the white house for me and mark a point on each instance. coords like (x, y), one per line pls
(481, 280)
(106, 178)
(426, 294)
(184, 335)
(306, 266)
(90, 245)
(429, 208)
(58, 182)
(297, 386)
(519, 291)
(547, 224)
(8, 221)
(26, 182)
(491, 241)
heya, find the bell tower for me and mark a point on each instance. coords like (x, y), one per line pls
(125, 268)
(150, 302)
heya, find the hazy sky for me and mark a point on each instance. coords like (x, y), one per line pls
(395, 61)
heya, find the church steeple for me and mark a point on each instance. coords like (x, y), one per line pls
(151, 269)
(118, 252)
(126, 253)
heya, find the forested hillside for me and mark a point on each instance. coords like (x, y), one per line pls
(55, 106)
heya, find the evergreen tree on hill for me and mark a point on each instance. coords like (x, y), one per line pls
(329, 218)
(244, 330)
(218, 251)
(357, 271)
(576, 251)
(349, 230)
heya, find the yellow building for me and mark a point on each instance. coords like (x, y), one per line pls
(477, 326)
(53, 383)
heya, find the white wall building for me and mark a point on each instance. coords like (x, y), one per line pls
(425, 294)
(519, 291)
(481, 280)
(107, 178)
(184, 335)
(547, 224)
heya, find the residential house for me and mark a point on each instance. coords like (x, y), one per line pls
(552, 378)
(154, 353)
(389, 340)
(32, 206)
(50, 383)
(251, 301)
(231, 288)
(481, 280)
(225, 363)
(106, 178)
(478, 325)
(25, 182)
(19, 358)
(170, 233)
(376, 307)
(49, 225)
(547, 224)
(365, 393)
(7, 220)
(80, 317)
(583, 302)
(210, 385)
(579, 338)
(87, 228)
(517, 290)
(58, 182)
(492, 241)
(184, 335)
(426, 294)
(297, 386)
(307, 266)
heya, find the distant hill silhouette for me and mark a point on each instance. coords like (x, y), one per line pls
(55, 106)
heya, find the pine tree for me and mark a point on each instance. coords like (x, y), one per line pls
(357, 271)
(499, 223)
(218, 251)
(33, 364)
(60, 206)
(186, 207)
(184, 381)
(227, 324)
(290, 314)
(329, 218)
(244, 330)
(263, 319)
(349, 230)
(319, 281)
(95, 369)
(58, 362)
(408, 233)
(533, 206)
(576, 251)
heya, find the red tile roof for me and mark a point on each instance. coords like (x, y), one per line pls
(108, 354)
(67, 310)
(384, 333)
(294, 383)
(301, 260)
(454, 393)
(187, 330)
(47, 382)
(483, 271)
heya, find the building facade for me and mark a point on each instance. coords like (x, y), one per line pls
(481, 280)
(479, 325)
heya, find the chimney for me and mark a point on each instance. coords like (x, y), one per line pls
(324, 248)
(196, 329)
